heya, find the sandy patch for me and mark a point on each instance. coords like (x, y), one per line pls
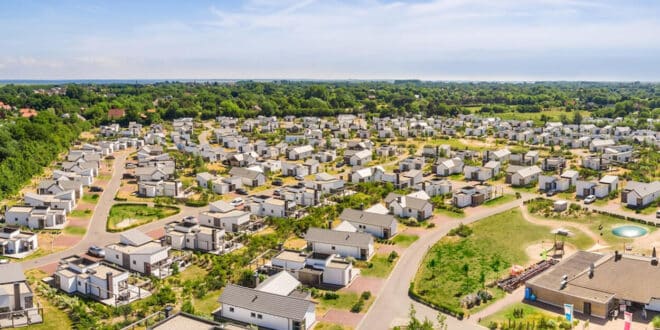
(361, 284)
(534, 251)
(345, 318)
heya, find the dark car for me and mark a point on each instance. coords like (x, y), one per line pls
(277, 182)
(96, 251)
(95, 189)
(241, 191)
(276, 192)
(340, 164)
(551, 193)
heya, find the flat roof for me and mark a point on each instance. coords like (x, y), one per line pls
(291, 256)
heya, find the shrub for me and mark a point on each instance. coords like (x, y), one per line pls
(462, 231)
(365, 295)
(358, 306)
(330, 296)
(393, 255)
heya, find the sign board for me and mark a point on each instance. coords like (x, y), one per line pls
(627, 318)
(568, 312)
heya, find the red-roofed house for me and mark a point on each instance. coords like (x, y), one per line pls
(116, 113)
(27, 112)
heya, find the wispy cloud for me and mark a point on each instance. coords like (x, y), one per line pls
(435, 39)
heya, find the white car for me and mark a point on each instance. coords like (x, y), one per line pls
(589, 199)
(236, 202)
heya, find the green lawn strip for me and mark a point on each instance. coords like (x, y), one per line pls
(449, 213)
(378, 266)
(455, 267)
(139, 213)
(531, 315)
(83, 214)
(91, 198)
(54, 318)
(329, 326)
(207, 304)
(404, 240)
(343, 301)
(75, 230)
(503, 199)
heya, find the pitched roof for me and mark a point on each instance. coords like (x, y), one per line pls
(244, 173)
(374, 219)
(282, 283)
(265, 302)
(339, 238)
(643, 189)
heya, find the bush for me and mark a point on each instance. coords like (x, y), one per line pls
(358, 306)
(330, 296)
(393, 255)
(365, 295)
(462, 231)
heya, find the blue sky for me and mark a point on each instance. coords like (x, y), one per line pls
(331, 39)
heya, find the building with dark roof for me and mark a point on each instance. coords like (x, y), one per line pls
(598, 283)
(345, 244)
(379, 225)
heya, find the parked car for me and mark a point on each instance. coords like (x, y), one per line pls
(95, 189)
(237, 202)
(340, 164)
(300, 177)
(551, 192)
(96, 251)
(276, 192)
(130, 165)
(589, 199)
(241, 191)
(4, 261)
(277, 182)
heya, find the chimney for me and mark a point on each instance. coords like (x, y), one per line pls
(108, 282)
(214, 238)
(617, 256)
(256, 278)
(592, 268)
(398, 178)
(654, 258)
(17, 296)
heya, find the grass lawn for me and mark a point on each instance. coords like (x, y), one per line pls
(405, 240)
(91, 198)
(207, 304)
(455, 267)
(54, 318)
(192, 272)
(83, 214)
(500, 200)
(554, 115)
(74, 230)
(345, 301)
(138, 213)
(330, 326)
(378, 266)
(530, 314)
(449, 213)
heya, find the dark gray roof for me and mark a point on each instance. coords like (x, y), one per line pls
(264, 302)
(338, 237)
(11, 273)
(244, 173)
(375, 219)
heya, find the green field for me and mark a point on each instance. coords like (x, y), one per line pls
(91, 198)
(404, 240)
(138, 213)
(455, 267)
(83, 214)
(378, 266)
(344, 301)
(74, 230)
(500, 200)
(531, 316)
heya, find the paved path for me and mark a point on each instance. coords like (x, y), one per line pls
(392, 303)
(96, 231)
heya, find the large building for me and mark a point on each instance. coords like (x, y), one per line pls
(598, 283)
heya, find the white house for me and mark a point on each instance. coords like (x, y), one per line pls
(16, 243)
(160, 188)
(346, 244)
(250, 177)
(138, 252)
(221, 215)
(448, 167)
(39, 217)
(188, 234)
(265, 309)
(379, 225)
(639, 194)
(301, 152)
(523, 176)
(360, 158)
(16, 296)
(408, 206)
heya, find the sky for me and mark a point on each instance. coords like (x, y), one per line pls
(331, 39)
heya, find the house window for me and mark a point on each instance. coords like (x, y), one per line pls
(134, 262)
(231, 309)
(253, 314)
(117, 256)
(333, 248)
(259, 316)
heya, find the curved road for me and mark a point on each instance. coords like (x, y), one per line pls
(392, 304)
(96, 229)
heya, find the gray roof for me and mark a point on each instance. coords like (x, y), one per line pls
(265, 302)
(244, 173)
(136, 237)
(11, 273)
(338, 237)
(375, 219)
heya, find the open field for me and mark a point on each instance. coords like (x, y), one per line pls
(123, 216)
(455, 267)
(378, 266)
